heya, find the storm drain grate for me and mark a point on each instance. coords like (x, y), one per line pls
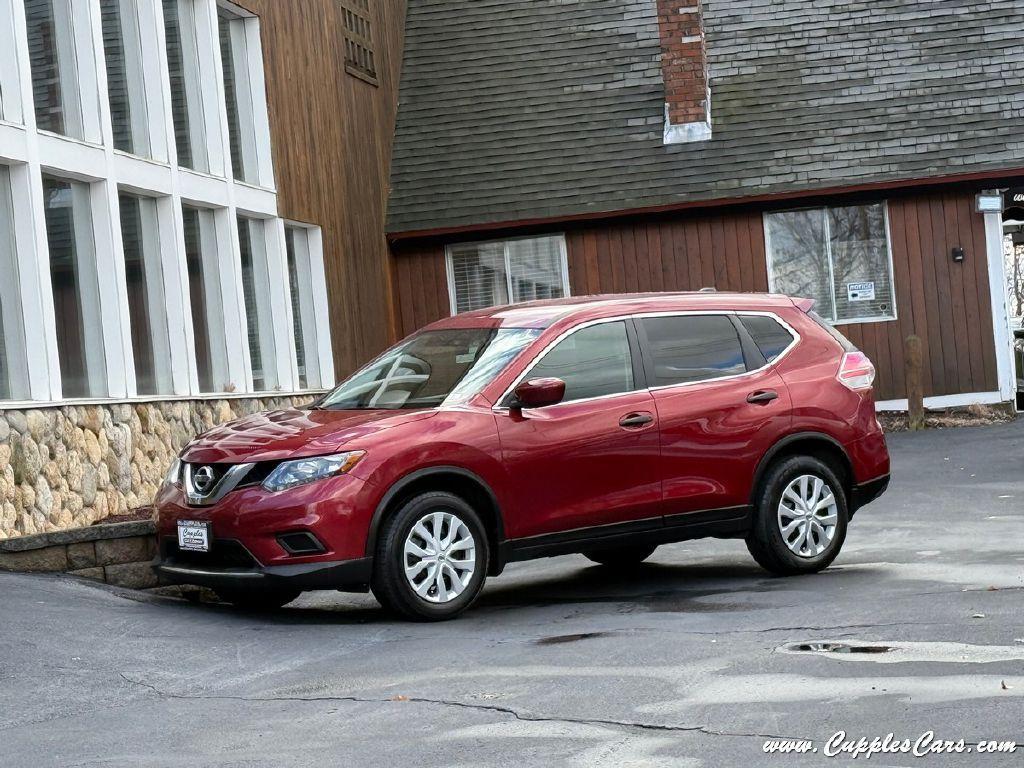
(838, 648)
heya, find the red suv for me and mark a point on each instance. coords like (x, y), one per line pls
(601, 425)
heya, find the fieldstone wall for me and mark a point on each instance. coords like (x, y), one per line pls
(120, 554)
(69, 466)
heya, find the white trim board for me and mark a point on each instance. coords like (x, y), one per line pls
(945, 401)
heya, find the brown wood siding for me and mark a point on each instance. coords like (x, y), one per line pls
(945, 303)
(331, 135)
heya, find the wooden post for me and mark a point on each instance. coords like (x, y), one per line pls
(915, 387)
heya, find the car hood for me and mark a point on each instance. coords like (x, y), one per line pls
(292, 434)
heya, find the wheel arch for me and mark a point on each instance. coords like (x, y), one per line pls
(467, 485)
(816, 444)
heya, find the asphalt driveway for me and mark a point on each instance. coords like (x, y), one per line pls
(685, 662)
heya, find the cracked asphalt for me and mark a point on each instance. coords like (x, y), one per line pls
(564, 663)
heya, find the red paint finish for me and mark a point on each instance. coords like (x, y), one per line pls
(711, 437)
(576, 467)
(619, 459)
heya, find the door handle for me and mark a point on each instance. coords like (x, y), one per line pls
(762, 396)
(635, 420)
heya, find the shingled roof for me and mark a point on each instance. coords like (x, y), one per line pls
(525, 109)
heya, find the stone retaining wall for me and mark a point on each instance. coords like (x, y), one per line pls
(68, 466)
(116, 553)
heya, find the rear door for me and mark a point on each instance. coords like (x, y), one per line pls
(720, 403)
(591, 459)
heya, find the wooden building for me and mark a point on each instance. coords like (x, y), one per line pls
(835, 150)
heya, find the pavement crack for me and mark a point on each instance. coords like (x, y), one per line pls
(525, 717)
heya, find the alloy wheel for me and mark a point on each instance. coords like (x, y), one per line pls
(439, 557)
(808, 514)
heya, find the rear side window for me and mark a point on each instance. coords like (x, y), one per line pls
(769, 335)
(593, 362)
(692, 348)
(844, 342)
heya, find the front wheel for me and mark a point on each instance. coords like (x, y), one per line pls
(800, 517)
(431, 558)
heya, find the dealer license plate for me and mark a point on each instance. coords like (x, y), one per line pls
(194, 535)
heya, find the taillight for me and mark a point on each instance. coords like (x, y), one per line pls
(856, 371)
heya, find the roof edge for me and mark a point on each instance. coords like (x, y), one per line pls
(720, 202)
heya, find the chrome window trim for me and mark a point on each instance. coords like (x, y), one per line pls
(640, 316)
(227, 483)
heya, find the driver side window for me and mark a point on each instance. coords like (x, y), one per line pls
(593, 362)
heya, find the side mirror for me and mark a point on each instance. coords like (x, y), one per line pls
(537, 393)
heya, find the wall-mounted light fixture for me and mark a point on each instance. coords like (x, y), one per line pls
(988, 203)
(958, 254)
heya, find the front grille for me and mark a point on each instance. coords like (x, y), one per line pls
(218, 470)
(224, 554)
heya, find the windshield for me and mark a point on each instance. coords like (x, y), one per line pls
(431, 369)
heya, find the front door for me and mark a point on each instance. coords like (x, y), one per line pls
(592, 459)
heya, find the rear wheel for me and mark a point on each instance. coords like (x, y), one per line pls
(800, 517)
(258, 599)
(620, 557)
(431, 558)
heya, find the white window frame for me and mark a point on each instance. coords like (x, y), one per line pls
(10, 80)
(29, 153)
(78, 63)
(250, 93)
(142, 46)
(313, 308)
(893, 316)
(152, 257)
(563, 256)
(15, 341)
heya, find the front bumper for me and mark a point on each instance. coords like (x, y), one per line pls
(240, 570)
(249, 529)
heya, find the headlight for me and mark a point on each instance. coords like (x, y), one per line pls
(301, 471)
(173, 476)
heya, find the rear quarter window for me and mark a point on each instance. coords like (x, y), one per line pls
(769, 334)
(844, 342)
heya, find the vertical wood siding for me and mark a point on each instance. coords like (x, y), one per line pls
(945, 303)
(331, 135)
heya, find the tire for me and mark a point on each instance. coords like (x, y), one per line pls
(410, 531)
(620, 557)
(258, 599)
(766, 541)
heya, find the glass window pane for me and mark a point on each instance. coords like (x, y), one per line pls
(478, 276)
(536, 268)
(204, 293)
(183, 66)
(256, 291)
(771, 337)
(54, 72)
(10, 96)
(144, 276)
(798, 257)
(122, 51)
(303, 319)
(860, 262)
(75, 290)
(13, 374)
(241, 129)
(592, 362)
(693, 348)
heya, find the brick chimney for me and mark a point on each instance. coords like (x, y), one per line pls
(684, 67)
